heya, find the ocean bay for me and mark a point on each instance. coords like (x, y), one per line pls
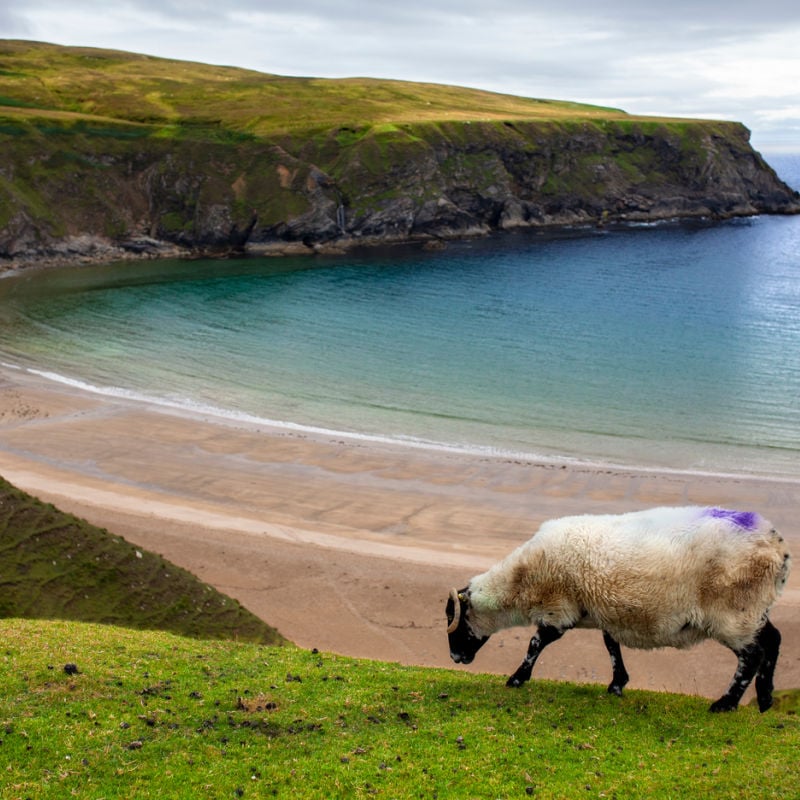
(673, 346)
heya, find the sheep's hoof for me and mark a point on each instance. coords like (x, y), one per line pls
(764, 703)
(516, 680)
(616, 689)
(723, 704)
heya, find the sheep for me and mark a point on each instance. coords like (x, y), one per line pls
(666, 577)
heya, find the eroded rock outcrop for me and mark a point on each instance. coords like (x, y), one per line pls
(81, 196)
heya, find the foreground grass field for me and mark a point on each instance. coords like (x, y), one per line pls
(96, 711)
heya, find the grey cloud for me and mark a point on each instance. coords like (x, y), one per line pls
(736, 17)
(13, 24)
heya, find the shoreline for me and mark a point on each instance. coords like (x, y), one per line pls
(224, 416)
(347, 545)
(90, 249)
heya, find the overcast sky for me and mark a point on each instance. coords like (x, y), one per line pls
(736, 59)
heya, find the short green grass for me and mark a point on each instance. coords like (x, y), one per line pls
(180, 98)
(153, 715)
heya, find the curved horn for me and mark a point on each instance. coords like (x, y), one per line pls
(456, 611)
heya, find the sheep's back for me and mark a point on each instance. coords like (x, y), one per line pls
(669, 576)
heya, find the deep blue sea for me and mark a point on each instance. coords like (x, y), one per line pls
(674, 345)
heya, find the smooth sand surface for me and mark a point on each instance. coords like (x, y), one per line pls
(349, 546)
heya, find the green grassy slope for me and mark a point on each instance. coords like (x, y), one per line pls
(56, 566)
(72, 84)
(152, 715)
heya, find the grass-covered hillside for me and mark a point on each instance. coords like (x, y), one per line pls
(174, 98)
(152, 715)
(104, 153)
(56, 566)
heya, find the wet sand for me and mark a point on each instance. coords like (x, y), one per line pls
(348, 546)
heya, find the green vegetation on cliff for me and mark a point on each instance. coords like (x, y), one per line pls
(107, 149)
(56, 566)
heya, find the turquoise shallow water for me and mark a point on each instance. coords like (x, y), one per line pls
(676, 345)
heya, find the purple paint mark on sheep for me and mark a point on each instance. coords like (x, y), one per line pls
(742, 519)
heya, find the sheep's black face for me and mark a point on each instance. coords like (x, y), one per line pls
(463, 642)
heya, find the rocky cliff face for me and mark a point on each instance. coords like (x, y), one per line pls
(102, 194)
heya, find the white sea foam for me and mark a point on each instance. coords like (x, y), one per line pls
(192, 408)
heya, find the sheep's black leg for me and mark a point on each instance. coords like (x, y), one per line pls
(545, 635)
(620, 677)
(769, 638)
(750, 659)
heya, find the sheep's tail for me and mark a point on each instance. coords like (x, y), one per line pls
(782, 575)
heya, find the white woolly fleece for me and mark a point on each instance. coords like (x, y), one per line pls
(655, 578)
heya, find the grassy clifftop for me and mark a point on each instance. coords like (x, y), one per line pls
(104, 154)
(73, 84)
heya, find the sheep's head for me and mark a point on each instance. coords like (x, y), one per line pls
(463, 642)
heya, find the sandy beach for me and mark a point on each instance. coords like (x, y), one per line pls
(349, 546)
